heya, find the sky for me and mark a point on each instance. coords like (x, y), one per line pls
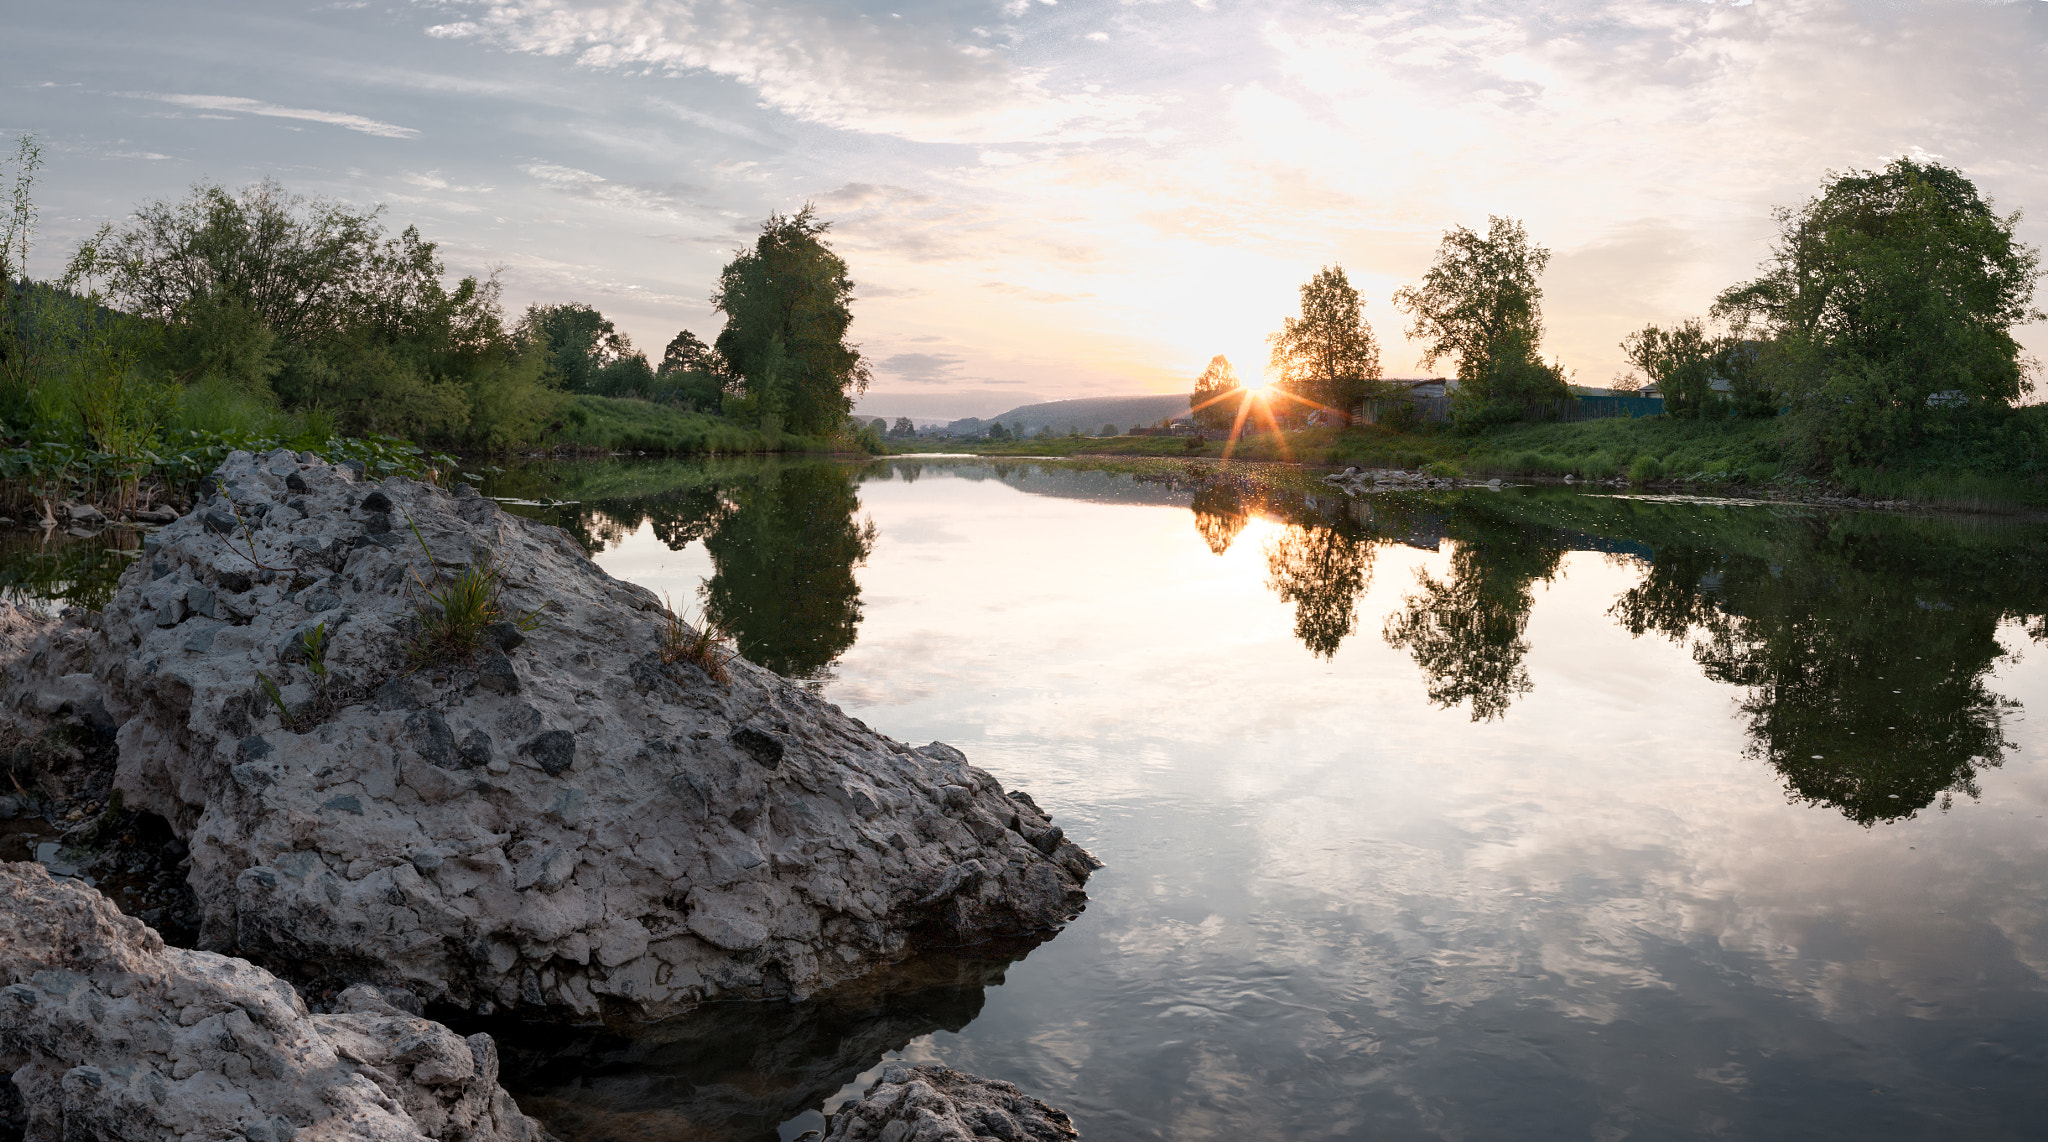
(1042, 199)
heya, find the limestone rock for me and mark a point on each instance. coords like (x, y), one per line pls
(563, 822)
(939, 1104)
(110, 1035)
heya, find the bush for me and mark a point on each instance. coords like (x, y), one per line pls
(1645, 469)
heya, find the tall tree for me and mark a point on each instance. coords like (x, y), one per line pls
(1479, 305)
(1889, 288)
(1328, 355)
(1210, 402)
(788, 303)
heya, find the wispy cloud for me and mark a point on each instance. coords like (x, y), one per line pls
(920, 368)
(833, 66)
(243, 106)
(669, 199)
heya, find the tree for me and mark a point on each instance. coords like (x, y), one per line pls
(1887, 289)
(1328, 355)
(687, 352)
(1210, 402)
(1679, 361)
(904, 427)
(996, 431)
(1479, 305)
(1108, 430)
(577, 343)
(279, 295)
(787, 304)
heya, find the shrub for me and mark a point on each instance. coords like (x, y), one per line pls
(1645, 469)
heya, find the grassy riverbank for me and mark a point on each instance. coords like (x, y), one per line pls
(2004, 468)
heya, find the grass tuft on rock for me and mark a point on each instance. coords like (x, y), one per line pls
(707, 647)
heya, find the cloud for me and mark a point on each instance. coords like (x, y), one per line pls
(831, 66)
(258, 107)
(920, 368)
(670, 199)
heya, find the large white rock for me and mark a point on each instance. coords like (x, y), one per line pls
(573, 827)
(112, 1036)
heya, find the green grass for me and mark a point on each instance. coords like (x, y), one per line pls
(622, 424)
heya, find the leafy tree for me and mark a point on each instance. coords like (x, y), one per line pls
(277, 295)
(880, 426)
(1108, 430)
(1211, 401)
(904, 428)
(687, 353)
(996, 431)
(1328, 355)
(1889, 288)
(1479, 305)
(579, 345)
(1680, 361)
(787, 304)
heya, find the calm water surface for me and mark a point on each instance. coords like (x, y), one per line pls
(1481, 815)
(1436, 816)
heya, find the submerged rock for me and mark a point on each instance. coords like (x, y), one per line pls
(561, 821)
(939, 1104)
(112, 1036)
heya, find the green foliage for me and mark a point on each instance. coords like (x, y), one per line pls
(1887, 307)
(1327, 356)
(1480, 306)
(1680, 361)
(1645, 469)
(787, 307)
(626, 425)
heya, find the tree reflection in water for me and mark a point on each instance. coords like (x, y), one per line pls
(1865, 659)
(1466, 632)
(784, 583)
(1220, 514)
(1322, 569)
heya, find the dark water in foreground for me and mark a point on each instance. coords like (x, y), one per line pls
(1470, 815)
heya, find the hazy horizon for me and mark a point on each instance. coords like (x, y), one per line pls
(1039, 200)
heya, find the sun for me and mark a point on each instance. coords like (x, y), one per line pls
(1254, 384)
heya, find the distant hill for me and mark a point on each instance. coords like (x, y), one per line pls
(1088, 414)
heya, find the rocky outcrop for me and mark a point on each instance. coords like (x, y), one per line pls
(110, 1035)
(939, 1104)
(564, 820)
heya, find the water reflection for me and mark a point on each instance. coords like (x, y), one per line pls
(1322, 570)
(735, 1072)
(784, 540)
(1865, 656)
(1466, 632)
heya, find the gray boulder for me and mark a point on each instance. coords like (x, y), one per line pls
(939, 1104)
(559, 823)
(112, 1036)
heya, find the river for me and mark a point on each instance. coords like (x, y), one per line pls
(1518, 814)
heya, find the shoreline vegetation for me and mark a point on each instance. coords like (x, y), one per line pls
(256, 319)
(1733, 458)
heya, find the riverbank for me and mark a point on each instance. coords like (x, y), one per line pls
(2003, 471)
